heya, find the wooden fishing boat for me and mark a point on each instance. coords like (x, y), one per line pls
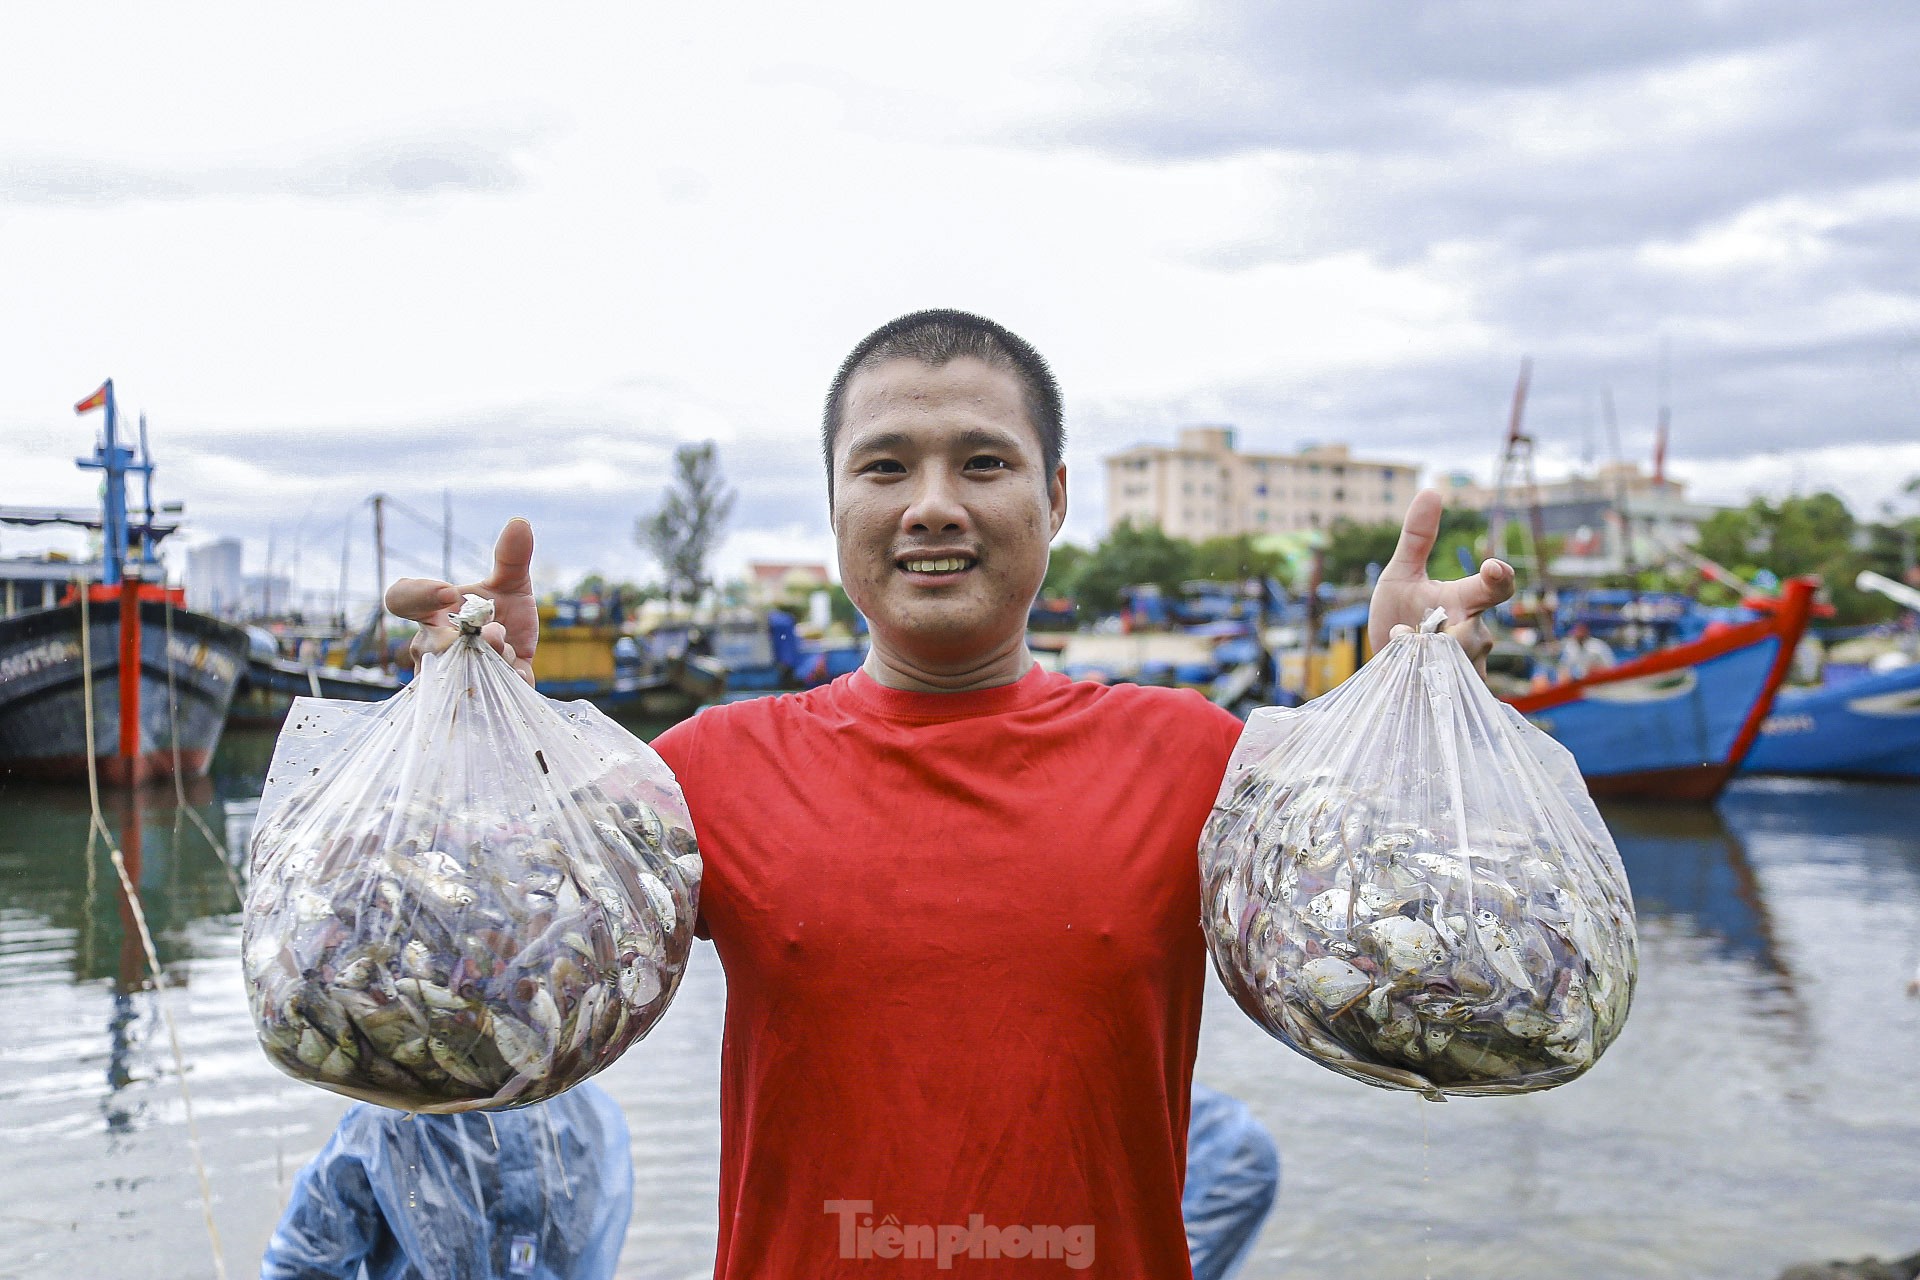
(161, 676)
(185, 681)
(269, 685)
(1866, 727)
(1676, 723)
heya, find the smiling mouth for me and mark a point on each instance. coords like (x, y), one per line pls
(936, 565)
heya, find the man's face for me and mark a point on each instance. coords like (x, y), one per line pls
(942, 508)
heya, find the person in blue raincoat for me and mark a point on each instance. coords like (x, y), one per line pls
(542, 1192)
(1233, 1175)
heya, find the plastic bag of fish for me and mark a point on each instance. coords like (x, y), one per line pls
(1408, 883)
(467, 896)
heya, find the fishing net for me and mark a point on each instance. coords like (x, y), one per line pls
(1408, 883)
(466, 896)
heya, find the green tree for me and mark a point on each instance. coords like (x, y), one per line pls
(1460, 530)
(1815, 535)
(683, 533)
(840, 606)
(1798, 536)
(1063, 566)
(1130, 555)
(1235, 559)
(1351, 547)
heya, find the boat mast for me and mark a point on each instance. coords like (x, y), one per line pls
(1516, 467)
(114, 458)
(146, 481)
(380, 578)
(346, 555)
(1620, 488)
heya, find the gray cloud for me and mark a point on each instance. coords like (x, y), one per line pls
(1391, 128)
(1575, 170)
(476, 161)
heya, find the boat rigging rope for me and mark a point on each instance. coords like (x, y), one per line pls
(226, 865)
(179, 787)
(99, 824)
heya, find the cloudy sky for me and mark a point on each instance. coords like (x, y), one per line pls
(520, 255)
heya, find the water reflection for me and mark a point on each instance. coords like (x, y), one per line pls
(1874, 824)
(52, 872)
(1685, 861)
(1769, 1043)
(64, 917)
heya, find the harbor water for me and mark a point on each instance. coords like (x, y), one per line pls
(1761, 1107)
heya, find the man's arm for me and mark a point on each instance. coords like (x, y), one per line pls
(1404, 594)
(515, 630)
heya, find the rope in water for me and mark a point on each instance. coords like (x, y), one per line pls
(99, 824)
(226, 864)
(179, 787)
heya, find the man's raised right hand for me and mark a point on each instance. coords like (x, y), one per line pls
(515, 630)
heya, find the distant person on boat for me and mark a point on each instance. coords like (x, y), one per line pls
(1582, 653)
(542, 1192)
(955, 894)
(1233, 1176)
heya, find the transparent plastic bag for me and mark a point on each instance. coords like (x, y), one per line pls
(466, 896)
(1408, 883)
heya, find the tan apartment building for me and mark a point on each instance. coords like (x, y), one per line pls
(1203, 488)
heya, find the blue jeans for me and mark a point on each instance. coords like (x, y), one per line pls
(1233, 1176)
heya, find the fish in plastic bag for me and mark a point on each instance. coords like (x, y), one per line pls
(466, 896)
(1408, 883)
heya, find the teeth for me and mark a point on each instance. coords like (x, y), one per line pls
(935, 566)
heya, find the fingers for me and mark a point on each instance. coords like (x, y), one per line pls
(496, 635)
(1417, 534)
(1474, 638)
(513, 559)
(1493, 585)
(509, 584)
(421, 599)
(431, 639)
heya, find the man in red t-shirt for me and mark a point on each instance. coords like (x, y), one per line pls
(956, 897)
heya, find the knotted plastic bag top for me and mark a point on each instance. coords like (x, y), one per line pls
(466, 896)
(1408, 883)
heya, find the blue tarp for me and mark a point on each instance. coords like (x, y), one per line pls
(541, 1192)
(786, 640)
(1346, 617)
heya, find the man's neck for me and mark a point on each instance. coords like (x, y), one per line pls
(895, 670)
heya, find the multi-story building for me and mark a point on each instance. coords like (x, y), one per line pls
(214, 580)
(1203, 488)
(267, 595)
(1605, 521)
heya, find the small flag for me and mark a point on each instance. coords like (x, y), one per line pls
(98, 400)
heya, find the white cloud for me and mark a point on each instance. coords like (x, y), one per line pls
(522, 255)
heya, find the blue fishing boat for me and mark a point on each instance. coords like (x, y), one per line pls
(1675, 723)
(1865, 727)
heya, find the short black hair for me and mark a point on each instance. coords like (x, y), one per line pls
(936, 337)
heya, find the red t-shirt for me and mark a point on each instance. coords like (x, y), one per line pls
(961, 934)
